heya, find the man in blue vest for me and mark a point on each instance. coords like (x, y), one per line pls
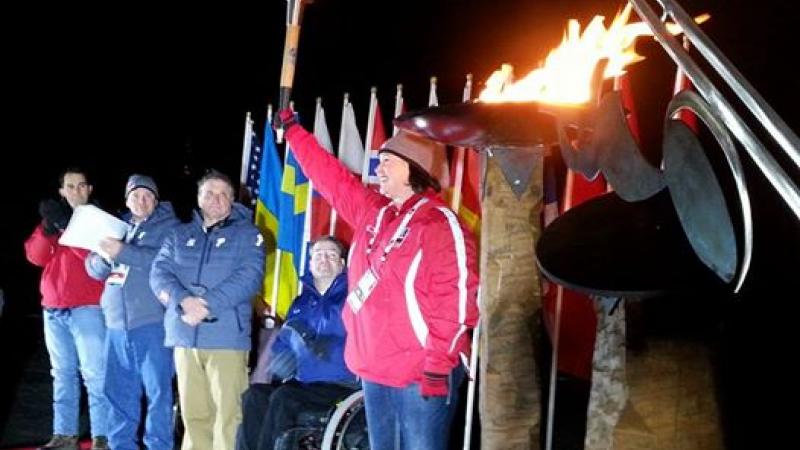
(307, 358)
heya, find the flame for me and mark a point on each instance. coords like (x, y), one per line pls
(567, 73)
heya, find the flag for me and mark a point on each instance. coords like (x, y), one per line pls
(399, 106)
(291, 232)
(351, 154)
(351, 150)
(376, 136)
(469, 207)
(578, 321)
(249, 178)
(682, 82)
(320, 211)
(268, 209)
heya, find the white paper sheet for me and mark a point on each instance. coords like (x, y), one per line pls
(89, 225)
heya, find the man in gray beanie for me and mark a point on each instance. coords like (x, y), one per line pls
(137, 361)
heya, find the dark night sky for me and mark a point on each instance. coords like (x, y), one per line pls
(138, 87)
(154, 89)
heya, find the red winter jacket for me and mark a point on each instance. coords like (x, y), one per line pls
(417, 317)
(65, 283)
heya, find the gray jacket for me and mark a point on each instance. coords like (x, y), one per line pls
(127, 301)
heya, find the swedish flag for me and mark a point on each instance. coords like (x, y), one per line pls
(293, 201)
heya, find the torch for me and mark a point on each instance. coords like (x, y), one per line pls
(294, 15)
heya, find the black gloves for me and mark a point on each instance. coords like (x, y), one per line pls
(56, 215)
(285, 119)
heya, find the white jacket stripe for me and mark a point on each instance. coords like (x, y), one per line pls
(414, 313)
(461, 260)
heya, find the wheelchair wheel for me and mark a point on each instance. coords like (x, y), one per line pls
(346, 428)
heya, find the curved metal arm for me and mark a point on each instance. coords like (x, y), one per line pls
(767, 117)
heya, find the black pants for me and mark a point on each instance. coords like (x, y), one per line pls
(269, 410)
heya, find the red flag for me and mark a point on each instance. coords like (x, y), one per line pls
(320, 214)
(682, 82)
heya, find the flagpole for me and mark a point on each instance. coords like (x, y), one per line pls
(398, 105)
(458, 182)
(309, 212)
(557, 328)
(373, 103)
(473, 374)
(246, 149)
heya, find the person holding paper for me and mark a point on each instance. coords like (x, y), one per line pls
(137, 360)
(74, 329)
(207, 273)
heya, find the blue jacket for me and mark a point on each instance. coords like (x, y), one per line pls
(225, 266)
(131, 304)
(319, 316)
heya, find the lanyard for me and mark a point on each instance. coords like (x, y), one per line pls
(399, 234)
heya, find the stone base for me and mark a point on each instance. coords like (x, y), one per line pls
(672, 402)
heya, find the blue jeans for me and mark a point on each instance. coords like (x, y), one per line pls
(138, 362)
(400, 419)
(75, 339)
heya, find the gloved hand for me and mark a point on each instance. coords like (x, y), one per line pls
(283, 365)
(434, 385)
(321, 346)
(56, 215)
(285, 119)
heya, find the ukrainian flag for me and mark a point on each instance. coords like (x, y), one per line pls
(268, 206)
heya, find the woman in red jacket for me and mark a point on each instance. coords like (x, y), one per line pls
(413, 286)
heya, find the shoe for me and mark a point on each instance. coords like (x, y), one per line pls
(61, 442)
(100, 443)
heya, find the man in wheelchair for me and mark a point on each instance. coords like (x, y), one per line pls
(306, 363)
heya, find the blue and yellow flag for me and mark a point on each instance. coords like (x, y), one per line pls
(268, 206)
(293, 202)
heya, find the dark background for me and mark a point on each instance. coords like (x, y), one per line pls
(164, 90)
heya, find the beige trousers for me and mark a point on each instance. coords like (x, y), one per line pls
(210, 387)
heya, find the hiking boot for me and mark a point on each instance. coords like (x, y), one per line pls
(100, 443)
(61, 442)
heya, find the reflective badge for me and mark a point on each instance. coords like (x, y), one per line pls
(361, 292)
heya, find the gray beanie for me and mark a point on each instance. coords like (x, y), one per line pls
(140, 181)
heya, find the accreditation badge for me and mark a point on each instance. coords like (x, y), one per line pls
(359, 295)
(118, 275)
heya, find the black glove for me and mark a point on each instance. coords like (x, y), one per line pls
(321, 346)
(56, 215)
(285, 119)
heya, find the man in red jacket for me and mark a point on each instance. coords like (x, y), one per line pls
(413, 283)
(74, 329)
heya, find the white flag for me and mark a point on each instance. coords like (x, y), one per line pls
(351, 148)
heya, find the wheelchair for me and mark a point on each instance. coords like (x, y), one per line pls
(343, 427)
